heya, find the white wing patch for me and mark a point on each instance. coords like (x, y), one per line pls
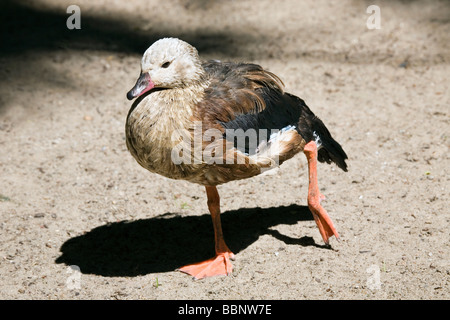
(317, 140)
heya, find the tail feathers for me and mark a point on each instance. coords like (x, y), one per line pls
(330, 150)
(311, 127)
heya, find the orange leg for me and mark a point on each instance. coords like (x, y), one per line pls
(220, 264)
(323, 220)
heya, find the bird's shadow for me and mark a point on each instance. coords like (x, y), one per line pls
(166, 242)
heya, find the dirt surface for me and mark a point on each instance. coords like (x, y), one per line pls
(72, 195)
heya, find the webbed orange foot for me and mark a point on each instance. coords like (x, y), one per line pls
(217, 266)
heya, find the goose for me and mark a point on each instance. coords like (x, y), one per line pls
(212, 122)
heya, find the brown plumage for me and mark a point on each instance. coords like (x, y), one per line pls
(214, 122)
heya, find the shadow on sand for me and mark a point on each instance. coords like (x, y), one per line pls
(166, 242)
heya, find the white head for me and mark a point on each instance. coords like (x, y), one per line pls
(168, 63)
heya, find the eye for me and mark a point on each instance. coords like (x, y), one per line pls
(165, 64)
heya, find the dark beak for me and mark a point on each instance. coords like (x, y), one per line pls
(143, 84)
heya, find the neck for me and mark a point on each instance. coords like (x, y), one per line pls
(176, 105)
(153, 121)
(167, 110)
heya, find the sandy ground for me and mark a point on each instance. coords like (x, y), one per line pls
(72, 195)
